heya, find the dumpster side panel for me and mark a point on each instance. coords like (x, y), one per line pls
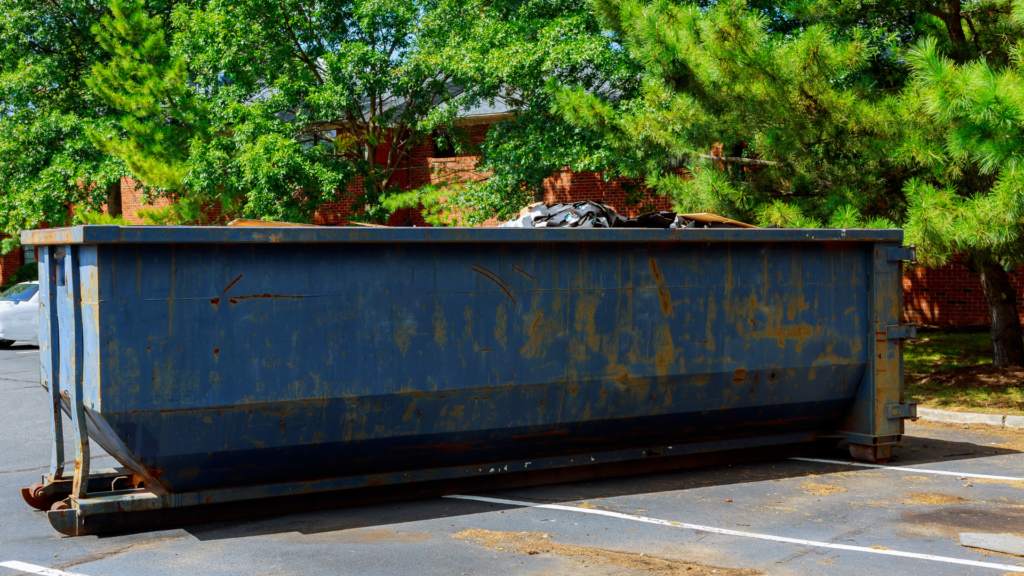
(869, 421)
(233, 364)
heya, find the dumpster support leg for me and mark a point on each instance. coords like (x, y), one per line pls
(54, 487)
(72, 372)
(50, 353)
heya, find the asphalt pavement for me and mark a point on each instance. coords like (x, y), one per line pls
(784, 516)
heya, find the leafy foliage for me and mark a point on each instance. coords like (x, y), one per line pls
(47, 163)
(974, 198)
(522, 49)
(801, 136)
(159, 114)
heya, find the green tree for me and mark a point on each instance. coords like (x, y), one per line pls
(830, 113)
(157, 114)
(801, 134)
(269, 107)
(522, 48)
(972, 202)
(957, 67)
(47, 162)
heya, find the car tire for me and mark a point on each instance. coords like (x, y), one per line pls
(6, 343)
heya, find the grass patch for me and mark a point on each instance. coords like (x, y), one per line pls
(936, 350)
(952, 370)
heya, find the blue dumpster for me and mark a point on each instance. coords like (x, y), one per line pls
(219, 364)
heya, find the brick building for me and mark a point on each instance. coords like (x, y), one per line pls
(950, 295)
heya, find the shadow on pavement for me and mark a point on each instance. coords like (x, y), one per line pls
(367, 508)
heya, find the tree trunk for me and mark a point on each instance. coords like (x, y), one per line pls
(1007, 343)
(114, 199)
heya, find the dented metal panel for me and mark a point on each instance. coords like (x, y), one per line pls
(237, 365)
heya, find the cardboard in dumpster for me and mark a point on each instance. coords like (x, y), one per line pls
(1005, 543)
(591, 214)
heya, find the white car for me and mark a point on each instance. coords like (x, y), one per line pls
(19, 314)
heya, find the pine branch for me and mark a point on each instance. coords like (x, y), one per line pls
(739, 160)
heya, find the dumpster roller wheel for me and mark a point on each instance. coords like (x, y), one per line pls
(879, 454)
(36, 497)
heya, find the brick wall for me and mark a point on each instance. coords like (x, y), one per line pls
(950, 295)
(577, 186)
(131, 201)
(9, 263)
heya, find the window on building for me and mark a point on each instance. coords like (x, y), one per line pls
(30, 253)
(444, 146)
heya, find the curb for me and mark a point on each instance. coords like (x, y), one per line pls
(1007, 420)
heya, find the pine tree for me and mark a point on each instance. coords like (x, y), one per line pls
(833, 113)
(972, 204)
(158, 113)
(799, 139)
(47, 162)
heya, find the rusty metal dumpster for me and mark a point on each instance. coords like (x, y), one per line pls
(222, 364)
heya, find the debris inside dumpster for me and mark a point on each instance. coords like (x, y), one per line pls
(591, 214)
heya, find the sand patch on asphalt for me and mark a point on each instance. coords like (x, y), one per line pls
(1013, 438)
(856, 473)
(816, 489)
(1018, 484)
(916, 478)
(782, 508)
(929, 499)
(359, 536)
(536, 543)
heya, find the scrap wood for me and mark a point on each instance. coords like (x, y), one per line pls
(267, 224)
(709, 218)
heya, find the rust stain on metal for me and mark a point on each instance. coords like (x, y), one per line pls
(550, 434)
(214, 301)
(500, 325)
(440, 325)
(541, 335)
(516, 268)
(234, 299)
(740, 375)
(665, 357)
(216, 352)
(663, 294)
(233, 283)
(505, 286)
(445, 448)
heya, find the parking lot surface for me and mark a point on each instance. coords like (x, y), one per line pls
(788, 516)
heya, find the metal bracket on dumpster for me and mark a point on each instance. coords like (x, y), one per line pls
(869, 440)
(901, 411)
(901, 332)
(902, 253)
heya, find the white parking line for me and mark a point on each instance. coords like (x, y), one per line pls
(33, 569)
(726, 532)
(909, 469)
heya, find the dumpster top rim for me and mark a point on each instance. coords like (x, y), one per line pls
(345, 234)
